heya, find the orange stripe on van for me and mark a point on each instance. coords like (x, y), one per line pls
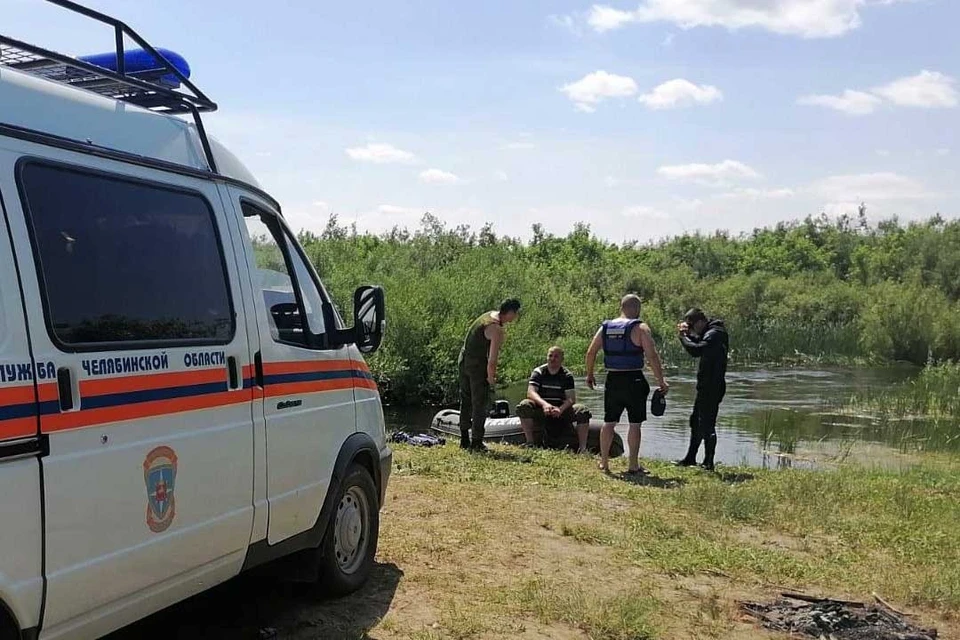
(49, 392)
(18, 428)
(21, 394)
(307, 366)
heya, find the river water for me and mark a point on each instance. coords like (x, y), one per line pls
(770, 417)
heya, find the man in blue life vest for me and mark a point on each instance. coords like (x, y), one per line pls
(707, 340)
(627, 344)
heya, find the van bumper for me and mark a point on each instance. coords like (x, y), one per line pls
(386, 466)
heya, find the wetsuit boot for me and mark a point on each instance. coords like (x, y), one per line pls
(464, 438)
(690, 459)
(710, 448)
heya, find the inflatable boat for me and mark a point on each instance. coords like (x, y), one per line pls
(507, 430)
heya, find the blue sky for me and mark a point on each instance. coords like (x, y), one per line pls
(642, 118)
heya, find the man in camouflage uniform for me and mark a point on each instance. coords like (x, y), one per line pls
(478, 371)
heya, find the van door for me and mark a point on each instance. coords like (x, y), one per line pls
(133, 295)
(21, 533)
(307, 387)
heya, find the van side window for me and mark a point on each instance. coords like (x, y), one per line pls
(123, 261)
(289, 291)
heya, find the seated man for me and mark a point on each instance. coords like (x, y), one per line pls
(550, 401)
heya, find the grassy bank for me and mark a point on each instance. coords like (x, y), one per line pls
(541, 545)
(826, 291)
(923, 413)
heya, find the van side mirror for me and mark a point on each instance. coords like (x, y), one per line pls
(369, 318)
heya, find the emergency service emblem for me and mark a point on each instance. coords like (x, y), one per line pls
(160, 476)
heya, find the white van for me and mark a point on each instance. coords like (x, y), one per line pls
(180, 400)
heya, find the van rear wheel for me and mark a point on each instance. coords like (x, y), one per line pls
(350, 542)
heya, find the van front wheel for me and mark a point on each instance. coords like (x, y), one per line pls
(350, 542)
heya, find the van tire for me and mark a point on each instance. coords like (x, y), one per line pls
(350, 541)
(8, 626)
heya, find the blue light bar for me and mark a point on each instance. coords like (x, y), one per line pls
(138, 62)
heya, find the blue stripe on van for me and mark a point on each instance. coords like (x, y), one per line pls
(14, 411)
(308, 376)
(151, 395)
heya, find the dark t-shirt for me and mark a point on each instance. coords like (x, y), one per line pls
(552, 387)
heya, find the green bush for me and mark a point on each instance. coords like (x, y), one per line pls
(812, 289)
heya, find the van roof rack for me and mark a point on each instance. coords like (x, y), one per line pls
(148, 77)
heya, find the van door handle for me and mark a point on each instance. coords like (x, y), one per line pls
(258, 369)
(233, 371)
(65, 388)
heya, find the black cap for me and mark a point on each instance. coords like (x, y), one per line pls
(658, 403)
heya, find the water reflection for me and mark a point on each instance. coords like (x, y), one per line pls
(771, 417)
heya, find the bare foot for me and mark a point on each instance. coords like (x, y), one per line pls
(603, 468)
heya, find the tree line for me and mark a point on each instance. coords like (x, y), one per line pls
(819, 288)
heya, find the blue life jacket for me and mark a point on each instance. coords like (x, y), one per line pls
(619, 352)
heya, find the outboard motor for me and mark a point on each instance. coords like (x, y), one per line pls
(501, 409)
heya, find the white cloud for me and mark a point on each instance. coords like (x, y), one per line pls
(855, 103)
(380, 153)
(611, 182)
(680, 93)
(320, 204)
(869, 187)
(719, 174)
(927, 89)
(603, 18)
(501, 176)
(757, 194)
(438, 176)
(595, 87)
(644, 212)
(943, 152)
(805, 18)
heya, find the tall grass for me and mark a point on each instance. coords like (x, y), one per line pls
(923, 413)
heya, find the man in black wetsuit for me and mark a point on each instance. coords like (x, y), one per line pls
(708, 340)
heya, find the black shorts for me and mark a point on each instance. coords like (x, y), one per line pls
(625, 390)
